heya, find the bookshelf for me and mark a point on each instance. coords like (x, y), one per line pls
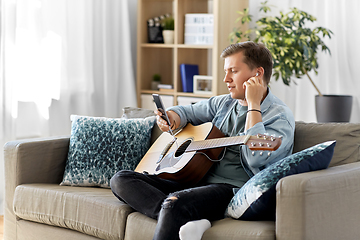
(165, 59)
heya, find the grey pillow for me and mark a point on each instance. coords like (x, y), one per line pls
(132, 112)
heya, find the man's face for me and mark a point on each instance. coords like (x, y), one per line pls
(236, 73)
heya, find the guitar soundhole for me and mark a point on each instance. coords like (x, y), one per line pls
(182, 148)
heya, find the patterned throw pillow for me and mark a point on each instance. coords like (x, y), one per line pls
(100, 147)
(256, 200)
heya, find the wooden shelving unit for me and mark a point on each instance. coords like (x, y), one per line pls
(165, 59)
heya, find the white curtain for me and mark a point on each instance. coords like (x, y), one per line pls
(338, 72)
(63, 57)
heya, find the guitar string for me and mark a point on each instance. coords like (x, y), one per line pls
(225, 148)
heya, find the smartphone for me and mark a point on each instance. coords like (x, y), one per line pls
(160, 106)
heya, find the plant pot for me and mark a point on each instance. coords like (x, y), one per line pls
(168, 36)
(333, 108)
(154, 85)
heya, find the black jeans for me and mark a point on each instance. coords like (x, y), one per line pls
(171, 203)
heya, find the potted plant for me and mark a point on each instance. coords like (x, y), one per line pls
(294, 49)
(168, 29)
(156, 80)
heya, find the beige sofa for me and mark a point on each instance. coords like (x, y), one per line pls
(316, 205)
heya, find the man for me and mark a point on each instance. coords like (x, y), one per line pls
(249, 109)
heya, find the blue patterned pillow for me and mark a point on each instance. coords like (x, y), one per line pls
(100, 147)
(256, 200)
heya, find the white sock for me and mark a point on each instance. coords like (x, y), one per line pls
(194, 230)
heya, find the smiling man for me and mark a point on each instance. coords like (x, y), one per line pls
(250, 108)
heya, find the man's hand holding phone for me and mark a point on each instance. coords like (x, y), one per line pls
(167, 121)
(162, 122)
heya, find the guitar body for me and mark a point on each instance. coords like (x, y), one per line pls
(185, 167)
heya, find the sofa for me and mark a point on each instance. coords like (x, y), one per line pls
(313, 205)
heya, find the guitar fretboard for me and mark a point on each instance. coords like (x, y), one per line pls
(217, 142)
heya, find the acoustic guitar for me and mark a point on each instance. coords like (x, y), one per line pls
(190, 157)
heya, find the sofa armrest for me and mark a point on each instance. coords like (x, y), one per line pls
(319, 205)
(36, 160)
(31, 161)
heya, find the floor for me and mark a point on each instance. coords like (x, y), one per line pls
(1, 227)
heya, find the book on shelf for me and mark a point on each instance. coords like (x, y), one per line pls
(187, 72)
(165, 86)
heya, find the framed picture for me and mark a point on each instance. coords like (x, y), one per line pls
(202, 84)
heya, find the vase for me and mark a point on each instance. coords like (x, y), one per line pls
(168, 36)
(154, 85)
(333, 108)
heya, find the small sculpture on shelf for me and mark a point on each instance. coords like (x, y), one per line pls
(154, 30)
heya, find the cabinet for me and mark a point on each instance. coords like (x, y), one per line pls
(165, 59)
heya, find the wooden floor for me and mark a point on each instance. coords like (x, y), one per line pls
(1, 227)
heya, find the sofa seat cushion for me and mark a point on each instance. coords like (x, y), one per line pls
(93, 211)
(142, 227)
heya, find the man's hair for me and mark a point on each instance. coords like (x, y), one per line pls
(255, 55)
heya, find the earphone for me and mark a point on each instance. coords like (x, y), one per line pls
(257, 74)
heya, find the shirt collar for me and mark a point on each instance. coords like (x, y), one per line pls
(269, 99)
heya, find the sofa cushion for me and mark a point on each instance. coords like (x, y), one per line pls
(229, 229)
(256, 200)
(133, 112)
(347, 136)
(93, 211)
(100, 147)
(142, 227)
(36, 231)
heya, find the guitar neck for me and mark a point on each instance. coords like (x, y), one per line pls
(217, 142)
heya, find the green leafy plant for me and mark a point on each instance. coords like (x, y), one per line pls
(156, 77)
(168, 23)
(293, 46)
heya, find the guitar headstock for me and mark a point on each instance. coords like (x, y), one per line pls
(263, 142)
